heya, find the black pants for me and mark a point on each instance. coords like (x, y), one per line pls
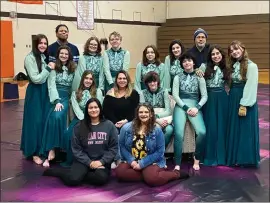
(78, 173)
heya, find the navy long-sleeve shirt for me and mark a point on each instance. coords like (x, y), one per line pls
(200, 56)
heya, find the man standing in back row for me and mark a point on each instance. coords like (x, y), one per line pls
(200, 49)
(62, 32)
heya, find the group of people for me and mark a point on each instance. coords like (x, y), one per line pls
(86, 106)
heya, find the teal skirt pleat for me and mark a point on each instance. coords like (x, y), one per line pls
(242, 144)
(34, 116)
(215, 114)
(56, 123)
(67, 142)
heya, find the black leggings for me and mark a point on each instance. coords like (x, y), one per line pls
(78, 173)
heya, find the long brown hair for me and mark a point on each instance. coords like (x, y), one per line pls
(145, 60)
(37, 39)
(87, 43)
(243, 61)
(136, 124)
(172, 57)
(128, 87)
(71, 65)
(222, 64)
(92, 88)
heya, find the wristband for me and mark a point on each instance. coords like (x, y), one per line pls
(185, 107)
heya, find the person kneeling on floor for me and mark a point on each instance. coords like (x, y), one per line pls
(94, 146)
(142, 148)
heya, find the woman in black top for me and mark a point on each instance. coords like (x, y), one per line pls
(121, 101)
(94, 146)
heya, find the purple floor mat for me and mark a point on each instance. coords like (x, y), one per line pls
(21, 180)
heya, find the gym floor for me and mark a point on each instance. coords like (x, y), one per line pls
(21, 180)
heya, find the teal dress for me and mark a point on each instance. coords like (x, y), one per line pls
(215, 114)
(189, 91)
(34, 113)
(59, 86)
(114, 61)
(142, 70)
(172, 69)
(160, 99)
(93, 63)
(242, 142)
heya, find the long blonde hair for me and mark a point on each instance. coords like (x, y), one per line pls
(128, 87)
(244, 60)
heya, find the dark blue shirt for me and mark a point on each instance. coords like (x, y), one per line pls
(201, 57)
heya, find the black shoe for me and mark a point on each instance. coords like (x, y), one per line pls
(52, 172)
(182, 175)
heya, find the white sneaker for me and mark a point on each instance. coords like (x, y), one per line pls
(113, 165)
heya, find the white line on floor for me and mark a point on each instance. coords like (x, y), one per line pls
(128, 195)
(263, 159)
(7, 179)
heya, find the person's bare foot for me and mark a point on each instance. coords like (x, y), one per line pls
(51, 155)
(46, 163)
(37, 160)
(196, 165)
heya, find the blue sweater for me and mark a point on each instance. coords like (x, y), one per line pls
(52, 49)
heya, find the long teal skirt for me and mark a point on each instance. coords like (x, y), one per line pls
(215, 115)
(56, 123)
(67, 142)
(34, 116)
(242, 144)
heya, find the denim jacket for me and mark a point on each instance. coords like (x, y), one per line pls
(155, 146)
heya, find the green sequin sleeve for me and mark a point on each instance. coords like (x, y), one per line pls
(167, 111)
(249, 97)
(101, 77)
(167, 77)
(75, 106)
(162, 75)
(175, 92)
(137, 82)
(100, 96)
(126, 62)
(81, 67)
(32, 70)
(53, 93)
(203, 91)
(203, 67)
(106, 68)
(142, 99)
